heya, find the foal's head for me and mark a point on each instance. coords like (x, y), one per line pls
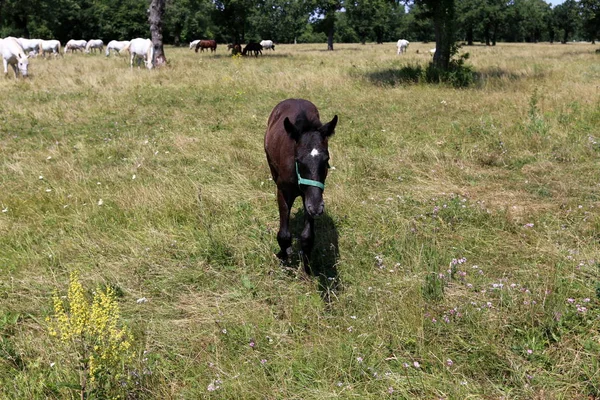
(311, 157)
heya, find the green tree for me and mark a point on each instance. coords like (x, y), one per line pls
(493, 13)
(443, 14)
(362, 16)
(233, 16)
(590, 14)
(396, 24)
(527, 20)
(328, 10)
(470, 14)
(567, 17)
(279, 20)
(187, 20)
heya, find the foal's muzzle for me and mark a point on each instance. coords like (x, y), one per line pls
(315, 210)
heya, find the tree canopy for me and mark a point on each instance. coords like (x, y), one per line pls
(289, 21)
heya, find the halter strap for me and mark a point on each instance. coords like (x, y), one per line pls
(308, 182)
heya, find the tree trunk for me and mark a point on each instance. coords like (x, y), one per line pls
(157, 10)
(470, 35)
(330, 37)
(443, 19)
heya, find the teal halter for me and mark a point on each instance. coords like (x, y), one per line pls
(308, 182)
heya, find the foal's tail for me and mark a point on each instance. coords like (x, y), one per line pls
(58, 49)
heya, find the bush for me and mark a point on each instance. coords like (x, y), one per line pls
(97, 346)
(458, 74)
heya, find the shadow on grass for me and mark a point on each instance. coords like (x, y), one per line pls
(395, 76)
(325, 254)
(414, 74)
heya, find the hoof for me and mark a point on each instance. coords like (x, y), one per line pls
(284, 255)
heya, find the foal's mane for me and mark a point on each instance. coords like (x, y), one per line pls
(305, 124)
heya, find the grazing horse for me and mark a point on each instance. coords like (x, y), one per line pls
(206, 44)
(255, 47)
(94, 44)
(267, 44)
(296, 144)
(116, 46)
(12, 53)
(194, 43)
(75, 45)
(29, 45)
(141, 49)
(402, 46)
(235, 48)
(47, 46)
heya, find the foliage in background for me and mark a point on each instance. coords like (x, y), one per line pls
(287, 21)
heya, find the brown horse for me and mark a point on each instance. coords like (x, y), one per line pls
(296, 144)
(235, 48)
(207, 44)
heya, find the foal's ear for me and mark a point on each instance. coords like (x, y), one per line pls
(329, 128)
(291, 129)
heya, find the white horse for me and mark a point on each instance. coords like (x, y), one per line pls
(194, 43)
(402, 46)
(267, 44)
(47, 46)
(12, 53)
(94, 44)
(75, 45)
(141, 49)
(116, 46)
(29, 44)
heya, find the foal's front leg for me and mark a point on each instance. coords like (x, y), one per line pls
(307, 240)
(284, 237)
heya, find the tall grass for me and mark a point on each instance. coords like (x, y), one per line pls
(459, 250)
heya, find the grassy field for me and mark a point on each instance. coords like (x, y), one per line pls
(459, 256)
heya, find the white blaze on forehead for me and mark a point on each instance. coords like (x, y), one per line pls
(314, 152)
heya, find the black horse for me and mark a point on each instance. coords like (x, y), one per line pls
(296, 144)
(255, 47)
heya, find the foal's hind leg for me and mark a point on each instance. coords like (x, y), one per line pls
(284, 237)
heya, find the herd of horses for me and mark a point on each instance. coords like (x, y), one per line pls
(17, 51)
(235, 48)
